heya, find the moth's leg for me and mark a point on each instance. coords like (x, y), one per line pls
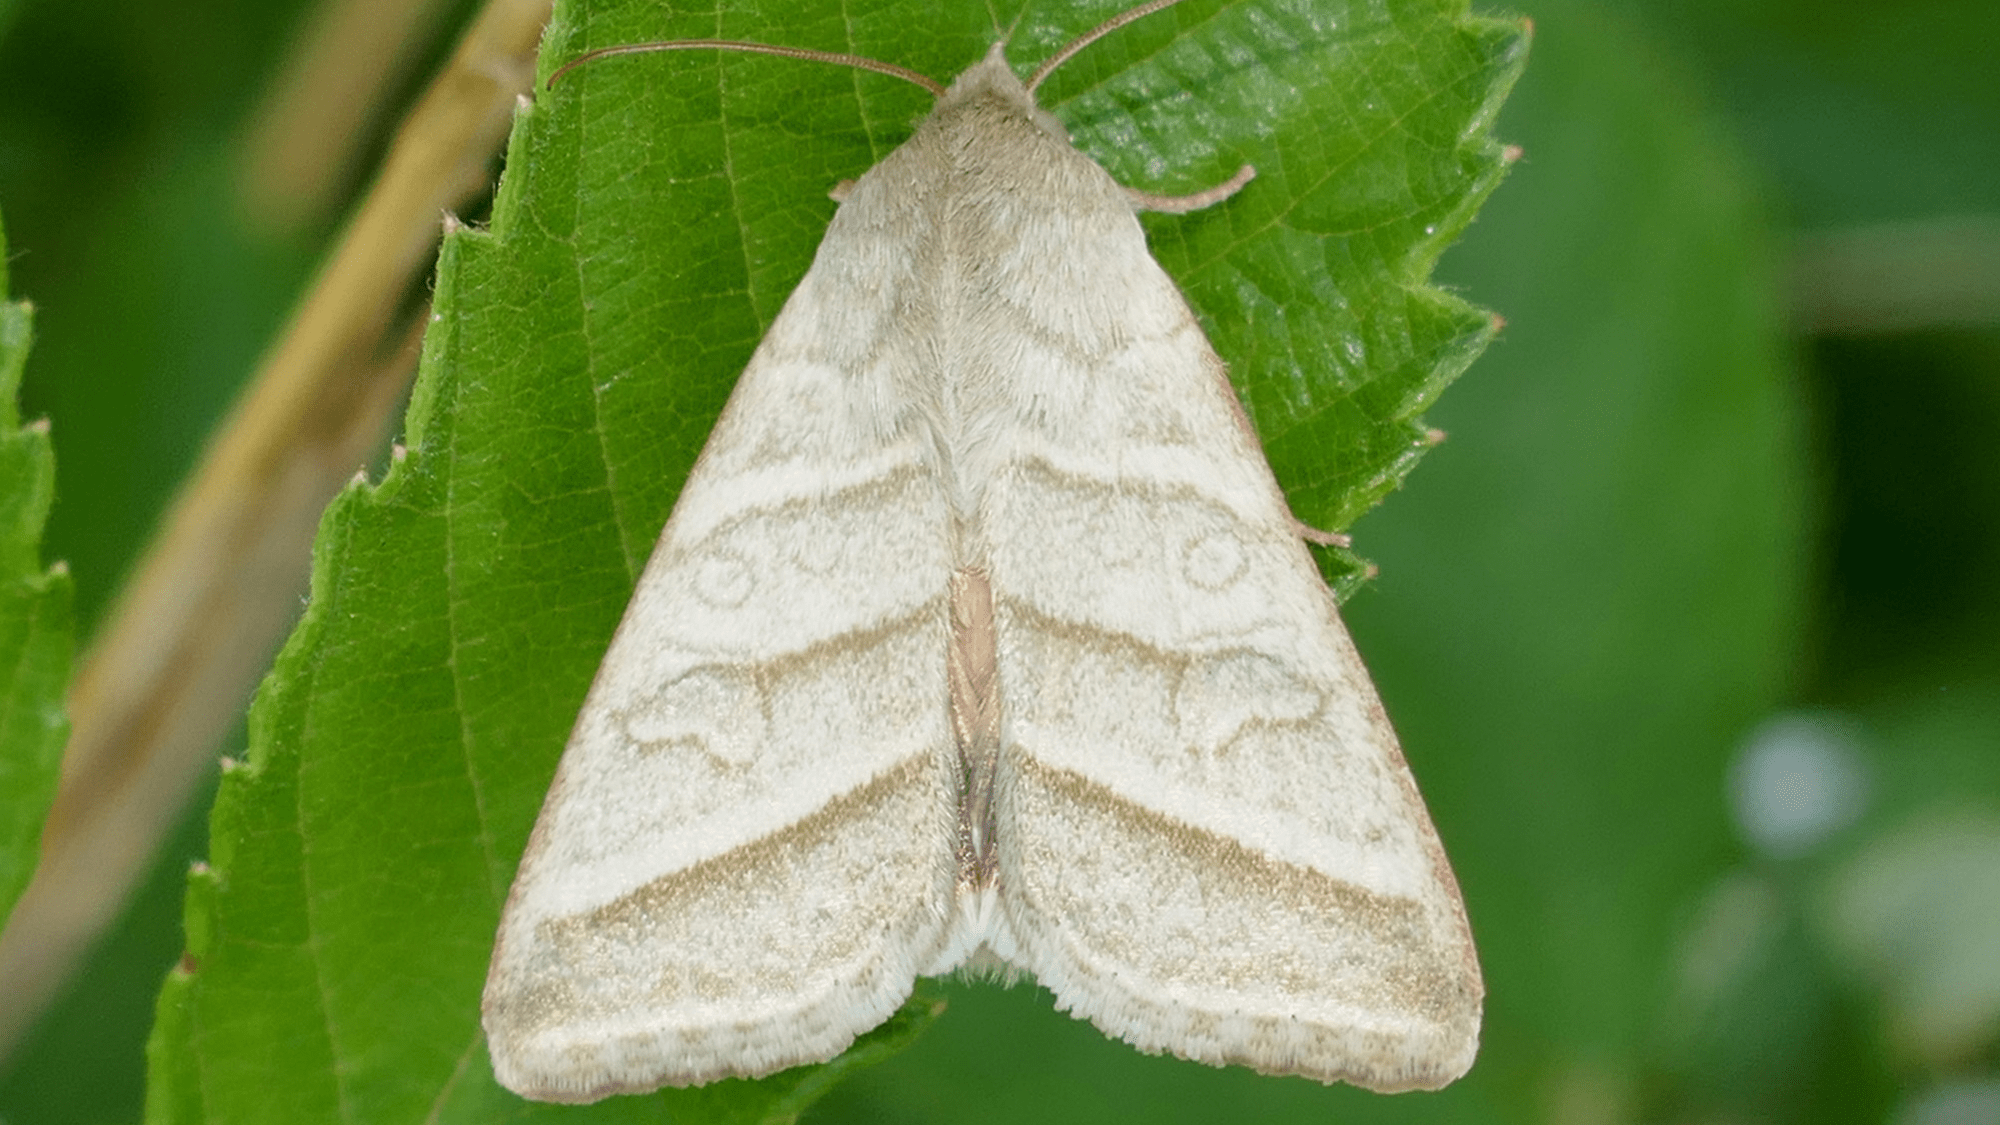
(1194, 201)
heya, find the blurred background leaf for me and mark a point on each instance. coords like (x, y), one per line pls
(36, 628)
(1585, 628)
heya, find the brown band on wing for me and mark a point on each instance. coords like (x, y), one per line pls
(787, 892)
(1077, 867)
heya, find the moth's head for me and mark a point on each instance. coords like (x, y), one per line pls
(991, 80)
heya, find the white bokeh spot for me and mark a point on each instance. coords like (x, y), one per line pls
(1799, 779)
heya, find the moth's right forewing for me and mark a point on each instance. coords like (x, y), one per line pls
(748, 851)
(1208, 840)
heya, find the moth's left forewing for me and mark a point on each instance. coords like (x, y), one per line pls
(1208, 840)
(747, 856)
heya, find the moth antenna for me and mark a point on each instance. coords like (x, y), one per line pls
(859, 62)
(1007, 35)
(1092, 36)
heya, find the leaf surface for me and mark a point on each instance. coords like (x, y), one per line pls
(654, 215)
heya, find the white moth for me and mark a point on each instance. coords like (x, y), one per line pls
(981, 633)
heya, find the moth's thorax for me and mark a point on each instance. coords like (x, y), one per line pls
(1008, 235)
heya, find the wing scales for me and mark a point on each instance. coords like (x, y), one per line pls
(1204, 837)
(746, 856)
(1208, 841)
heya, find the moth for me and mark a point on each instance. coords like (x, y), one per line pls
(981, 635)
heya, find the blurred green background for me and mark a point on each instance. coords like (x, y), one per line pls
(1692, 628)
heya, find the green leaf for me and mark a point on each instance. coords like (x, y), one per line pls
(36, 630)
(1587, 595)
(1601, 588)
(654, 214)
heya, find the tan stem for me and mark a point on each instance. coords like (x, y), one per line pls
(1912, 276)
(316, 121)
